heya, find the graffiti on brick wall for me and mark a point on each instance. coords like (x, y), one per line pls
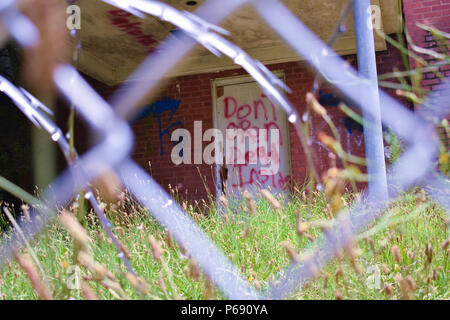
(353, 130)
(257, 114)
(160, 110)
(246, 113)
(329, 100)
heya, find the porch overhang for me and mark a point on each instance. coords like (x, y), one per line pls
(111, 52)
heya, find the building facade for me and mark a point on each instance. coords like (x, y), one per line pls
(221, 95)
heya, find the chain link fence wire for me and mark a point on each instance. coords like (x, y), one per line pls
(107, 121)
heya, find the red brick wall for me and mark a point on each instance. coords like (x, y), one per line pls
(434, 13)
(194, 94)
(196, 104)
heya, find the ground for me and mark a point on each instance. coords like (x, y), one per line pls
(403, 255)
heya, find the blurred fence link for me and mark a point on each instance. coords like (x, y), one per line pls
(107, 121)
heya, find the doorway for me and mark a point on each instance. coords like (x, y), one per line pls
(240, 103)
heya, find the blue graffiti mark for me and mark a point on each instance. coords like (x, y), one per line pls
(329, 100)
(158, 109)
(164, 105)
(351, 125)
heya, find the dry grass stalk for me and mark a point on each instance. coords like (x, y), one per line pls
(428, 253)
(224, 201)
(315, 105)
(87, 292)
(309, 237)
(274, 203)
(396, 254)
(138, 283)
(115, 289)
(301, 227)
(251, 203)
(372, 246)
(132, 280)
(334, 187)
(326, 277)
(338, 295)
(162, 284)
(293, 255)
(411, 283)
(411, 255)
(408, 286)
(33, 275)
(125, 250)
(26, 212)
(353, 252)
(98, 270)
(109, 186)
(183, 250)
(156, 248)
(328, 141)
(101, 274)
(169, 240)
(209, 291)
(193, 270)
(421, 197)
(75, 229)
(246, 232)
(445, 244)
(338, 274)
(304, 199)
(256, 284)
(26, 242)
(388, 290)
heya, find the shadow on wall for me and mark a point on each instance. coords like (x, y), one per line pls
(15, 132)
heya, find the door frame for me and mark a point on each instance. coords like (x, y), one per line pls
(235, 80)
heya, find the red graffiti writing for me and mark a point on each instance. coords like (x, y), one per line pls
(243, 114)
(251, 117)
(277, 181)
(244, 111)
(254, 138)
(252, 156)
(134, 29)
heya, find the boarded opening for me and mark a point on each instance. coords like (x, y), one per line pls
(242, 104)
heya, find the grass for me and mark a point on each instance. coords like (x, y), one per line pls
(407, 250)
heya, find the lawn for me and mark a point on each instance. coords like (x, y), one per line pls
(403, 255)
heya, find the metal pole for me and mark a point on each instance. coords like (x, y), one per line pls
(373, 134)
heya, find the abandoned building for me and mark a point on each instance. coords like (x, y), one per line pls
(214, 91)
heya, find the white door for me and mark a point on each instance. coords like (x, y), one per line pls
(241, 104)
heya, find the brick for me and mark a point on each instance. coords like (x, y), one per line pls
(196, 104)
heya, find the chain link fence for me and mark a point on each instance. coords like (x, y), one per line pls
(108, 121)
